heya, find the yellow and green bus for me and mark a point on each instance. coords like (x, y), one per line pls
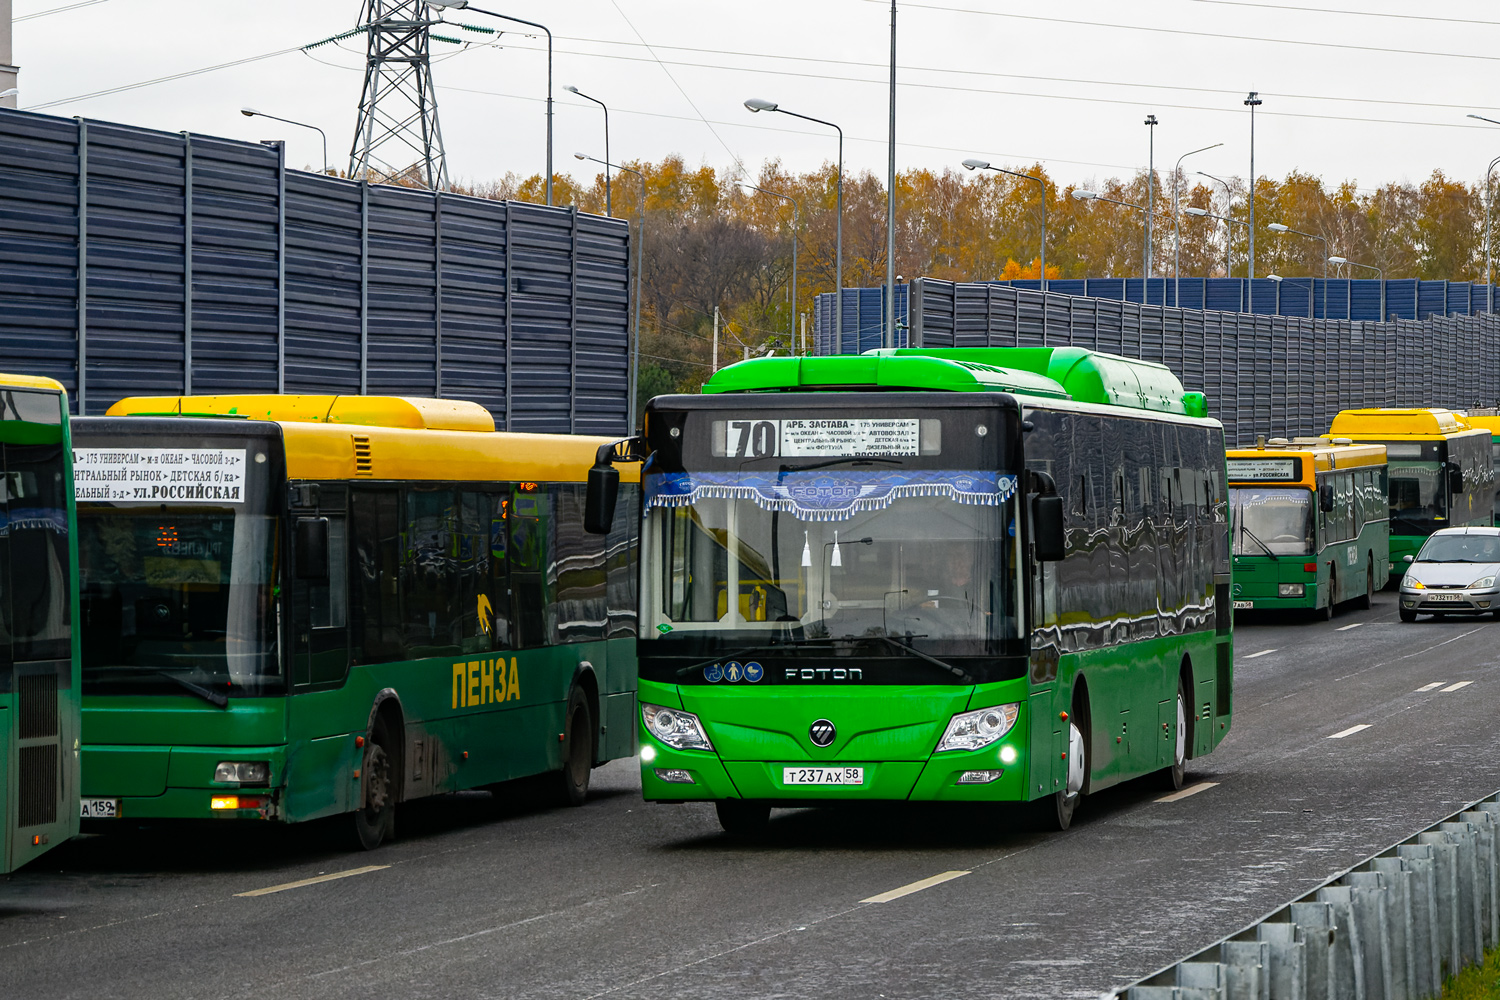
(1311, 525)
(302, 606)
(969, 575)
(1490, 421)
(1439, 472)
(39, 683)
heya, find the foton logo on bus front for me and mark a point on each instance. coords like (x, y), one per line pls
(824, 674)
(484, 682)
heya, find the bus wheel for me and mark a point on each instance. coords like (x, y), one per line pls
(1326, 613)
(375, 819)
(742, 819)
(1407, 616)
(1368, 601)
(1056, 811)
(1173, 776)
(578, 750)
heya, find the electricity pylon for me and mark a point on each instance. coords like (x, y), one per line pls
(398, 137)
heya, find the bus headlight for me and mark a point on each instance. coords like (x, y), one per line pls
(972, 730)
(1290, 589)
(246, 772)
(676, 728)
(1483, 583)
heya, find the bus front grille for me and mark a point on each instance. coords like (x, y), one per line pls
(39, 793)
(38, 705)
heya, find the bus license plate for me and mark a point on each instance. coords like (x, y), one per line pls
(99, 808)
(822, 776)
(1444, 597)
(1244, 605)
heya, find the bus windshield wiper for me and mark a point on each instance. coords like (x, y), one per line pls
(958, 672)
(216, 698)
(1257, 540)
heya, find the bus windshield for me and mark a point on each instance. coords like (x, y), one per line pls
(1277, 522)
(837, 554)
(178, 596)
(1419, 498)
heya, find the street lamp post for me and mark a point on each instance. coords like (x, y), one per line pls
(1488, 199)
(252, 113)
(1369, 267)
(1277, 227)
(796, 213)
(985, 165)
(1150, 124)
(1228, 206)
(755, 104)
(608, 203)
(1176, 228)
(1279, 279)
(890, 204)
(1252, 102)
(1203, 213)
(464, 5)
(640, 265)
(1096, 196)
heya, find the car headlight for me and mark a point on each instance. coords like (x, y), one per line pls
(1290, 589)
(1483, 583)
(972, 730)
(246, 772)
(1411, 583)
(675, 728)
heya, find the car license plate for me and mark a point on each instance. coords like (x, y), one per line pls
(822, 776)
(1444, 597)
(1244, 605)
(99, 808)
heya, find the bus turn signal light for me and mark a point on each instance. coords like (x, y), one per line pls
(224, 802)
(1310, 567)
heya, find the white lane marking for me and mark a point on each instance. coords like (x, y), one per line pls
(1455, 687)
(1263, 652)
(1201, 786)
(312, 881)
(1345, 628)
(1429, 687)
(907, 890)
(1350, 731)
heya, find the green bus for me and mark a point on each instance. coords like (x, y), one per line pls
(995, 574)
(39, 684)
(1311, 524)
(1440, 473)
(297, 606)
(1490, 421)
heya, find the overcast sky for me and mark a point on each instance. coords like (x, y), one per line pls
(1373, 90)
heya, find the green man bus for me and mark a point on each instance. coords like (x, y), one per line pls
(959, 575)
(1311, 526)
(304, 606)
(39, 684)
(1439, 472)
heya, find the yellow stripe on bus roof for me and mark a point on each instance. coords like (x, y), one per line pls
(414, 412)
(31, 382)
(1404, 424)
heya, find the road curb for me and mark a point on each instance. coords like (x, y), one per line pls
(1393, 927)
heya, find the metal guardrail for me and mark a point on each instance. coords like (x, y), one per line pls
(1392, 927)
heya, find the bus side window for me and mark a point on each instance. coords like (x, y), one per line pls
(375, 573)
(483, 597)
(577, 573)
(1118, 502)
(530, 547)
(1081, 497)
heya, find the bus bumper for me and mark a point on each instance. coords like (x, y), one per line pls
(146, 782)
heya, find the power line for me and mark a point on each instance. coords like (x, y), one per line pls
(162, 79)
(56, 10)
(1348, 13)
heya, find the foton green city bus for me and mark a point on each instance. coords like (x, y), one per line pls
(306, 606)
(1488, 420)
(1439, 472)
(38, 648)
(964, 575)
(1310, 522)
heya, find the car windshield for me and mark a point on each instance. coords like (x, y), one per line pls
(1461, 549)
(1419, 500)
(834, 554)
(1272, 521)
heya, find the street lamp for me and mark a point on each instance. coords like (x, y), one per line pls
(1369, 267)
(1488, 199)
(1228, 206)
(608, 205)
(252, 113)
(1145, 261)
(1279, 279)
(1150, 124)
(464, 5)
(1252, 102)
(1176, 228)
(756, 104)
(1277, 227)
(1203, 213)
(985, 165)
(796, 213)
(640, 265)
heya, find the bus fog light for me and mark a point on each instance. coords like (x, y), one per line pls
(1290, 589)
(246, 772)
(980, 728)
(978, 777)
(1007, 755)
(676, 728)
(675, 776)
(648, 754)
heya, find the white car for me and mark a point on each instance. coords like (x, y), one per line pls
(1454, 573)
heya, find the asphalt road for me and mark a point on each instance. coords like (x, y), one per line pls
(501, 896)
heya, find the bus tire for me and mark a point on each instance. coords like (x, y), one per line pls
(740, 818)
(1325, 613)
(375, 816)
(1055, 812)
(1368, 601)
(1407, 616)
(1173, 777)
(578, 750)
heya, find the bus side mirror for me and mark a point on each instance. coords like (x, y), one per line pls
(1455, 478)
(1325, 498)
(312, 548)
(1048, 533)
(600, 497)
